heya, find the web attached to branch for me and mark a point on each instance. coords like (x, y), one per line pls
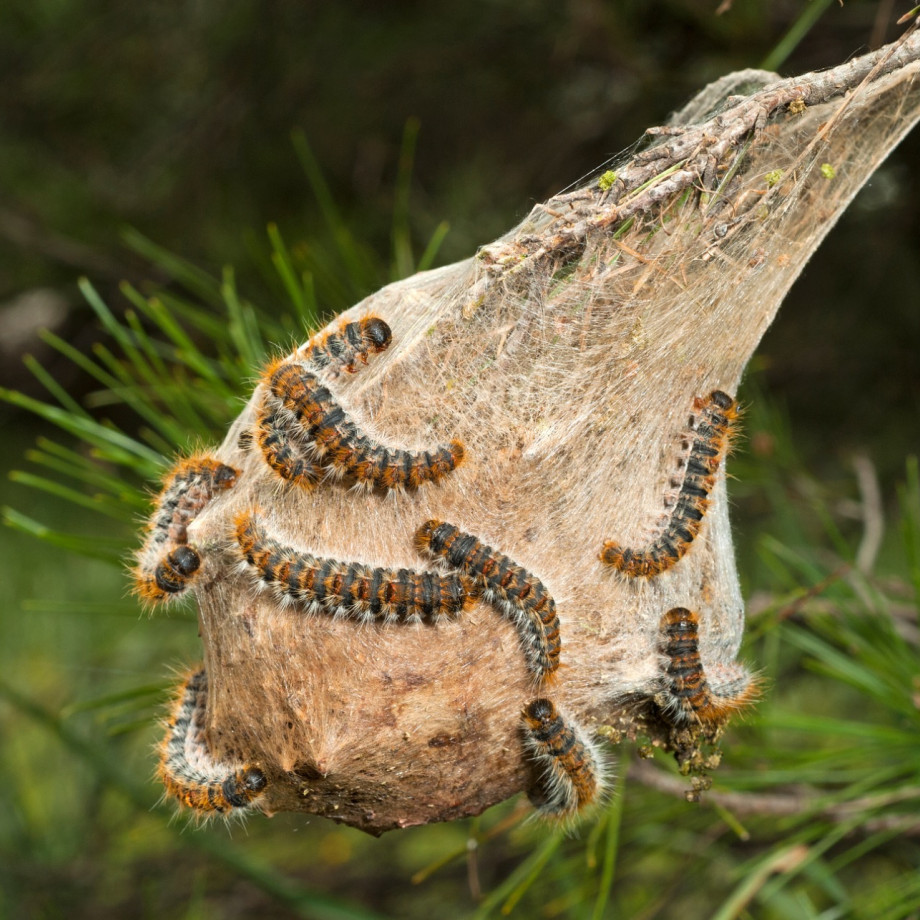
(567, 358)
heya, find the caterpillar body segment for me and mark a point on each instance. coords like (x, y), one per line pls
(324, 424)
(166, 563)
(570, 769)
(690, 695)
(188, 487)
(188, 772)
(717, 417)
(520, 595)
(294, 384)
(349, 589)
(341, 446)
(289, 381)
(373, 465)
(283, 450)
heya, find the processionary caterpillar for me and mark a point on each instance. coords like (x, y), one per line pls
(279, 436)
(322, 428)
(187, 769)
(717, 418)
(350, 344)
(571, 778)
(689, 696)
(284, 452)
(519, 594)
(349, 589)
(166, 563)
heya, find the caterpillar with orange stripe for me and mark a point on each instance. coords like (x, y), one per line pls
(716, 425)
(284, 452)
(279, 437)
(189, 773)
(351, 344)
(166, 563)
(320, 430)
(348, 589)
(521, 596)
(689, 695)
(571, 772)
(341, 446)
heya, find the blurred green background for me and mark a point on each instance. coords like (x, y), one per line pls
(356, 130)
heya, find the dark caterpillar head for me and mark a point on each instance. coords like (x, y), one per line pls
(225, 476)
(173, 572)
(241, 788)
(721, 399)
(254, 780)
(184, 560)
(425, 535)
(540, 713)
(378, 333)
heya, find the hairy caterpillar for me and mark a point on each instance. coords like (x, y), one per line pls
(349, 589)
(372, 465)
(571, 778)
(350, 344)
(187, 769)
(689, 695)
(321, 426)
(284, 452)
(343, 448)
(279, 437)
(166, 563)
(519, 594)
(716, 423)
